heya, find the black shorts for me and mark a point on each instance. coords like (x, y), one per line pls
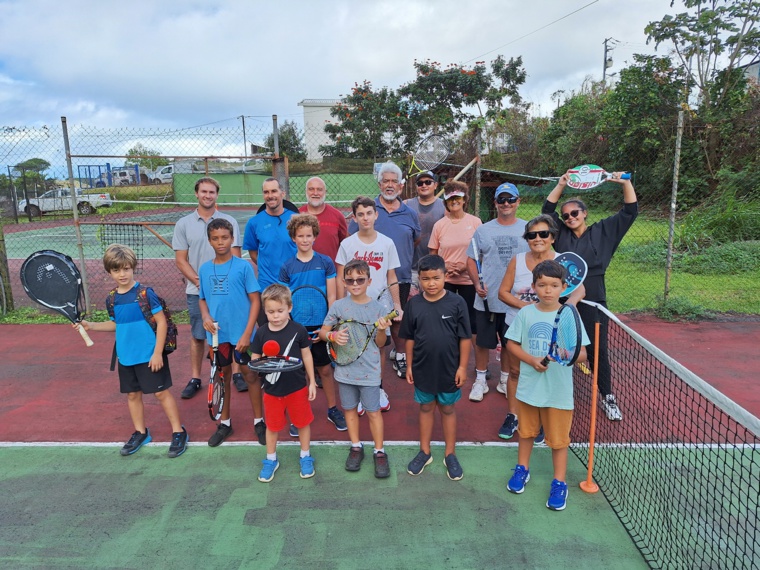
(490, 332)
(226, 352)
(140, 378)
(318, 350)
(467, 292)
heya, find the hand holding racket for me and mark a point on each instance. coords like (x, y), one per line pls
(576, 269)
(53, 280)
(349, 339)
(567, 336)
(430, 154)
(588, 176)
(216, 378)
(273, 361)
(476, 253)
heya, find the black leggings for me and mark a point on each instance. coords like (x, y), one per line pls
(467, 292)
(589, 316)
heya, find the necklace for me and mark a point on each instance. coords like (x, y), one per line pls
(221, 279)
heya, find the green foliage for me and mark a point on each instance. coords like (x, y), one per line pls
(290, 140)
(680, 309)
(32, 316)
(145, 157)
(723, 219)
(38, 165)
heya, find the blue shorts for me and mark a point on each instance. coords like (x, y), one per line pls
(351, 395)
(196, 321)
(444, 398)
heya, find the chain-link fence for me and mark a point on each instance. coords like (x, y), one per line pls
(131, 185)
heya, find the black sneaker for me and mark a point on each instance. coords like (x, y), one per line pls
(509, 427)
(399, 365)
(418, 464)
(261, 432)
(337, 418)
(382, 469)
(136, 442)
(293, 431)
(179, 443)
(453, 468)
(317, 379)
(355, 458)
(240, 384)
(192, 387)
(222, 432)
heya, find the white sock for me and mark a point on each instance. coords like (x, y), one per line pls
(257, 420)
(357, 445)
(227, 423)
(379, 450)
(272, 456)
(305, 453)
(504, 377)
(480, 376)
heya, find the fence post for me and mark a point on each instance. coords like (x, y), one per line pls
(673, 202)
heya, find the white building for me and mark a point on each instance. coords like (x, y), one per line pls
(316, 114)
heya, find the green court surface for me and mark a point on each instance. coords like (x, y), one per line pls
(88, 507)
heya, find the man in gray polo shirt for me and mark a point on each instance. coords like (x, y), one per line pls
(191, 250)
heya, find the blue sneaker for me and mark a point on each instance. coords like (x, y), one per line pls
(267, 470)
(519, 479)
(293, 431)
(307, 467)
(557, 496)
(136, 442)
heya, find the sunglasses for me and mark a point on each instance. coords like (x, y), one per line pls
(543, 234)
(573, 213)
(507, 200)
(357, 281)
(426, 182)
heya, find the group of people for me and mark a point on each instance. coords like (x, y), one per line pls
(483, 285)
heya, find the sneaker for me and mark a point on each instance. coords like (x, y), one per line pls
(557, 496)
(501, 387)
(360, 409)
(136, 442)
(293, 431)
(179, 443)
(307, 467)
(453, 468)
(240, 384)
(385, 403)
(317, 379)
(335, 416)
(222, 432)
(355, 458)
(509, 427)
(392, 355)
(540, 438)
(519, 479)
(609, 403)
(267, 470)
(192, 387)
(417, 465)
(382, 469)
(261, 432)
(478, 390)
(399, 365)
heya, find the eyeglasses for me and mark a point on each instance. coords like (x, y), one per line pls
(357, 281)
(506, 199)
(426, 182)
(573, 213)
(543, 234)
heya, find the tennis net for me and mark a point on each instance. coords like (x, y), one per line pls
(682, 470)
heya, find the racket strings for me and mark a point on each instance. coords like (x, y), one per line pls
(431, 153)
(357, 340)
(567, 336)
(309, 307)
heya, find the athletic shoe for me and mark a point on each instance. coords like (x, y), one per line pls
(453, 468)
(317, 379)
(392, 355)
(240, 384)
(501, 387)
(360, 409)
(179, 443)
(399, 365)
(382, 469)
(267, 470)
(222, 432)
(417, 465)
(519, 479)
(557, 496)
(609, 403)
(335, 416)
(261, 432)
(355, 458)
(293, 431)
(478, 390)
(509, 427)
(136, 442)
(385, 403)
(192, 387)
(540, 438)
(307, 467)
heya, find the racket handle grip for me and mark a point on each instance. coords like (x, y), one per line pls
(545, 361)
(625, 176)
(85, 336)
(215, 335)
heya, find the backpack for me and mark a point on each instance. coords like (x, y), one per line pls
(170, 344)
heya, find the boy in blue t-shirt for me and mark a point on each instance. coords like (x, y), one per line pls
(229, 296)
(143, 365)
(544, 393)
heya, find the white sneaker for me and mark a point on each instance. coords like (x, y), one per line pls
(385, 404)
(478, 390)
(501, 387)
(392, 355)
(360, 409)
(611, 408)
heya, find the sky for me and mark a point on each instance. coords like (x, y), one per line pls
(183, 63)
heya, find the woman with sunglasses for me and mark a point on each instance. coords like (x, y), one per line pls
(596, 244)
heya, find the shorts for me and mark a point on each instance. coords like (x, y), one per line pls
(467, 292)
(226, 352)
(443, 398)
(196, 321)
(297, 406)
(319, 350)
(351, 395)
(140, 378)
(557, 424)
(490, 331)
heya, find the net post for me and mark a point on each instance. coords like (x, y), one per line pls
(588, 485)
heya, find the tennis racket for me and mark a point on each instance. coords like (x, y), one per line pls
(588, 176)
(478, 259)
(309, 308)
(396, 295)
(430, 153)
(359, 337)
(576, 270)
(273, 362)
(567, 336)
(216, 379)
(53, 280)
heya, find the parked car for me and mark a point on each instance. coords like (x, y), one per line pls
(59, 200)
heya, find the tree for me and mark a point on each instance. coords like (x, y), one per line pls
(144, 157)
(38, 165)
(290, 139)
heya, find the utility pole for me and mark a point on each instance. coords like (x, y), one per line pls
(245, 142)
(607, 58)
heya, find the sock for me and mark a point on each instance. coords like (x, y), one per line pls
(357, 445)
(305, 453)
(257, 420)
(379, 450)
(227, 423)
(504, 376)
(480, 375)
(272, 456)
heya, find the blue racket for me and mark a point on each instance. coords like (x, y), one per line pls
(567, 336)
(576, 270)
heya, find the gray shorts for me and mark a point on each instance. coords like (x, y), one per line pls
(350, 395)
(196, 321)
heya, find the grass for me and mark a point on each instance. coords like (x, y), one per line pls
(32, 316)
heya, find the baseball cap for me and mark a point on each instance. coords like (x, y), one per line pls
(508, 188)
(455, 192)
(427, 174)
